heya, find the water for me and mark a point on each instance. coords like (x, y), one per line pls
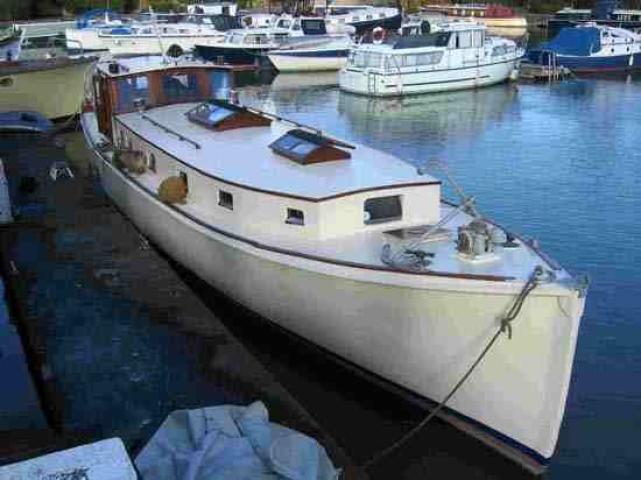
(559, 163)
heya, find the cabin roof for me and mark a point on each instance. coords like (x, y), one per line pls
(243, 157)
(150, 63)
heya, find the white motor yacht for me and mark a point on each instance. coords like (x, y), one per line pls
(458, 55)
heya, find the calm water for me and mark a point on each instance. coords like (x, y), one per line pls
(558, 163)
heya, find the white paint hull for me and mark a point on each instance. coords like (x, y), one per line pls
(428, 81)
(151, 45)
(85, 39)
(53, 92)
(419, 332)
(286, 63)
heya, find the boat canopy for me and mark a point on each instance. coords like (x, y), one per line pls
(579, 41)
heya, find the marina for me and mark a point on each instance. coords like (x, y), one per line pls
(319, 241)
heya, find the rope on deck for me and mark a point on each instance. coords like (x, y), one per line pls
(533, 281)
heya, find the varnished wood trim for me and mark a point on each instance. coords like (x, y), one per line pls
(272, 192)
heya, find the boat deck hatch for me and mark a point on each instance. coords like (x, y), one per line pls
(306, 147)
(219, 115)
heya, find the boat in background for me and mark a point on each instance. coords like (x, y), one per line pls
(364, 18)
(590, 48)
(488, 14)
(53, 87)
(10, 44)
(213, 7)
(84, 36)
(447, 56)
(603, 14)
(24, 122)
(348, 247)
(160, 38)
(329, 54)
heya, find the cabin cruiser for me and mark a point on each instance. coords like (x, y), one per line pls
(343, 245)
(10, 43)
(629, 19)
(590, 47)
(326, 54)
(363, 18)
(84, 37)
(213, 7)
(488, 14)
(456, 56)
(158, 38)
(250, 45)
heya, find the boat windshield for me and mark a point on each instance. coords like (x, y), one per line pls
(365, 59)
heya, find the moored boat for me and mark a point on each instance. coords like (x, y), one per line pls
(326, 54)
(364, 18)
(53, 87)
(10, 44)
(590, 47)
(458, 55)
(343, 245)
(490, 15)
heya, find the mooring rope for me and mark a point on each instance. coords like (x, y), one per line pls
(506, 326)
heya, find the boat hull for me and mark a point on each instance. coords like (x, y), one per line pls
(430, 81)
(419, 332)
(232, 56)
(83, 40)
(309, 61)
(150, 45)
(51, 87)
(593, 64)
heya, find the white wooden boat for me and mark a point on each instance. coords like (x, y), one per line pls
(457, 56)
(345, 246)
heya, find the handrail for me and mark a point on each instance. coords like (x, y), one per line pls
(180, 136)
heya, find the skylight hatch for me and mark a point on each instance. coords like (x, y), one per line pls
(306, 147)
(220, 115)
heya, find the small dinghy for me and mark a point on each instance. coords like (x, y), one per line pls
(24, 122)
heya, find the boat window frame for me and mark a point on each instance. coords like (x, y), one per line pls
(367, 213)
(295, 216)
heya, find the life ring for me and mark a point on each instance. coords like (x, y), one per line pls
(378, 35)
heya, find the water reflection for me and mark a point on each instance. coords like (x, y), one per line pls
(434, 119)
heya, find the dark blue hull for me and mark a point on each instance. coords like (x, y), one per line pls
(388, 23)
(579, 64)
(342, 52)
(232, 56)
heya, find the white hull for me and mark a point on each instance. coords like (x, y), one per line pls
(152, 45)
(85, 39)
(420, 332)
(288, 63)
(429, 81)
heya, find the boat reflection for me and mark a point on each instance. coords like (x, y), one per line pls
(425, 119)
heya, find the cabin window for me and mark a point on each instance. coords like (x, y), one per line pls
(464, 40)
(178, 87)
(477, 38)
(295, 217)
(183, 177)
(382, 209)
(151, 162)
(365, 59)
(225, 199)
(130, 90)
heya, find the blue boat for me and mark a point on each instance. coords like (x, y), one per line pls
(590, 48)
(24, 122)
